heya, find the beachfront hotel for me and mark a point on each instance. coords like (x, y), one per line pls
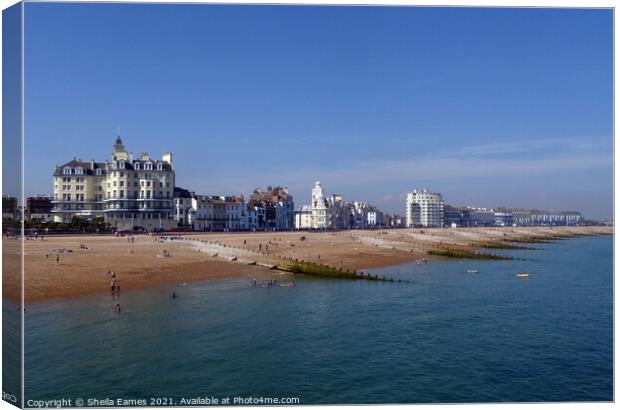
(127, 192)
(424, 208)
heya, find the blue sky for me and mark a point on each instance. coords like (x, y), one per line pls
(488, 106)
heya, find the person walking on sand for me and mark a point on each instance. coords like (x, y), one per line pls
(117, 308)
(57, 259)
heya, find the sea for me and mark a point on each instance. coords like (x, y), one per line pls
(445, 336)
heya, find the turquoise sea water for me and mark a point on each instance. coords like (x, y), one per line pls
(449, 336)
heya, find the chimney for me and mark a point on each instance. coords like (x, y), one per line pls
(167, 157)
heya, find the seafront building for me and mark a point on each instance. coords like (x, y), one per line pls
(9, 207)
(128, 192)
(501, 216)
(334, 212)
(544, 217)
(278, 206)
(220, 213)
(424, 208)
(39, 207)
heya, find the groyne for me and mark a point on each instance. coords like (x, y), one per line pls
(283, 263)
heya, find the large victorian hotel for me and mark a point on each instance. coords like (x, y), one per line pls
(126, 191)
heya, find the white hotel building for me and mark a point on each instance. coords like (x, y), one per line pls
(424, 208)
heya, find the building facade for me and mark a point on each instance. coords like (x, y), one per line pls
(274, 207)
(39, 207)
(9, 207)
(127, 192)
(424, 208)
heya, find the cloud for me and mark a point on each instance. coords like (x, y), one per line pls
(383, 181)
(536, 145)
(408, 171)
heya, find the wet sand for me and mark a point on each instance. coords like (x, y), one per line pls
(141, 264)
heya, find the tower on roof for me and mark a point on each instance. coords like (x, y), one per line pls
(118, 144)
(119, 152)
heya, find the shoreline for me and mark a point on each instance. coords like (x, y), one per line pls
(141, 264)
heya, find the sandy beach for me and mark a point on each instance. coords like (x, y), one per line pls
(141, 263)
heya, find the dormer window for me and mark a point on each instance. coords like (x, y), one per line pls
(136, 166)
(98, 171)
(121, 165)
(148, 166)
(160, 167)
(66, 171)
(79, 171)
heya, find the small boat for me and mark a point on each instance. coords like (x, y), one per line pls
(472, 271)
(523, 275)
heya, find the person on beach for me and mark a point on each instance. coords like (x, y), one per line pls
(174, 295)
(57, 259)
(113, 285)
(117, 308)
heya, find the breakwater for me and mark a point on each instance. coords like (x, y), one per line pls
(283, 263)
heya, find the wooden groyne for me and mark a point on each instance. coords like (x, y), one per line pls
(283, 263)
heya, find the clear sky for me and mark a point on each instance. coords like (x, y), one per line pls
(490, 107)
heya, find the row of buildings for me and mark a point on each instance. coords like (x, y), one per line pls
(141, 192)
(333, 212)
(427, 209)
(270, 209)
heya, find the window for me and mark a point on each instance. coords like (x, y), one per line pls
(98, 171)
(79, 171)
(113, 183)
(122, 183)
(136, 165)
(66, 170)
(121, 165)
(160, 167)
(122, 174)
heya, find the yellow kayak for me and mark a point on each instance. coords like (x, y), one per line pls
(523, 275)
